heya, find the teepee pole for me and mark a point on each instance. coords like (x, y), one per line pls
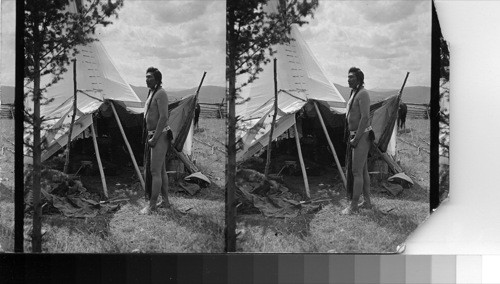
(98, 156)
(331, 145)
(301, 159)
(136, 167)
(199, 86)
(269, 144)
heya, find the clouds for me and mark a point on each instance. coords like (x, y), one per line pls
(177, 12)
(8, 54)
(383, 38)
(385, 12)
(181, 38)
(184, 38)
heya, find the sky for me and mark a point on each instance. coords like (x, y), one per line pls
(385, 39)
(184, 38)
(180, 38)
(7, 53)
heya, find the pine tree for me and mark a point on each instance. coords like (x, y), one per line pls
(52, 33)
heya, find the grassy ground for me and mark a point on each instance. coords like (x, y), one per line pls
(6, 185)
(199, 230)
(380, 230)
(413, 149)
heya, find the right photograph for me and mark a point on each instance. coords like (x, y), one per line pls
(328, 125)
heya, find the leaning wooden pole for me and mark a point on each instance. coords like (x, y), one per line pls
(403, 86)
(199, 86)
(136, 167)
(269, 145)
(386, 133)
(301, 159)
(331, 145)
(98, 156)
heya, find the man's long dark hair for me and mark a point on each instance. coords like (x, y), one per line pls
(157, 75)
(359, 75)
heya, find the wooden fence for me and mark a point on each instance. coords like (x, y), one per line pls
(418, 111)
(7, 111)
(213, 110)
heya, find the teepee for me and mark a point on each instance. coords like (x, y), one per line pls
(301, 83)
(100, 87)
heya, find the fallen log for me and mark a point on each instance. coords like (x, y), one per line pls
(191, 168)
(393, 166)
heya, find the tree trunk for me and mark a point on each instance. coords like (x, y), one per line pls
(268, 161)
(36, 239)
(230, 230)
(68, 145)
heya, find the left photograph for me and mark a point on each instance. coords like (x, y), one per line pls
(124, 126)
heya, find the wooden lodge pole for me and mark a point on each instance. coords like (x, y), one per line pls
(301, 159)
(136, 167)
(403, 86)
(98, 156)
(68, 145)
(269, 144)
(331, 145)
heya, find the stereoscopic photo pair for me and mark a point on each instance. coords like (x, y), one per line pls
(263, 126)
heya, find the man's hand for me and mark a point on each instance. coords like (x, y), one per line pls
(152, 142)
(353, 142)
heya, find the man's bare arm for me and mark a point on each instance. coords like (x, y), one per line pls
(364, 109)
(162, 103)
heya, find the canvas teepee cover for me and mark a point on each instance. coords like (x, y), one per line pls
(300, 80)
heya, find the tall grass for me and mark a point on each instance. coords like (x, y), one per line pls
(199, 230)
(413, 149)
(6, 184)
(380, 230)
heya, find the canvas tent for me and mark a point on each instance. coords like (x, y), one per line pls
(304, 91)
(302, 84)
(104, 92)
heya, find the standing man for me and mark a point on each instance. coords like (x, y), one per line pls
(158, 141)
(359, 140)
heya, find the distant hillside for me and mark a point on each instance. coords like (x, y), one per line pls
(208, 94)
(414, 94)
(7, 95)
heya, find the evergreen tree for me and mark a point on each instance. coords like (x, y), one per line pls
(251, 33)
(52, 32)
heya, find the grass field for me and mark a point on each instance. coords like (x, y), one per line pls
(199, 230)
(380, 230)
(6, 185)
